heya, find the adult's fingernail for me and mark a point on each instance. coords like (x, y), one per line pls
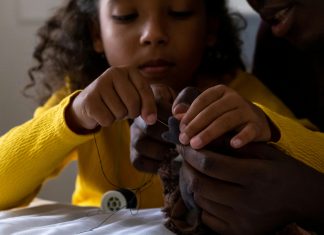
(196, 142)
(236, 143)
(182, 127)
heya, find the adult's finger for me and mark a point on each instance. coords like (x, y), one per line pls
(260, 151)
(221, 166)
(147, 147)
(217, 224)
(143, 163)
(216, 216)
(201, 185)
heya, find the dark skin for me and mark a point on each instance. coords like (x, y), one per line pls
(256, 192)
(148, 149)
(258, 196)
(239, 195)
(301, 24)
(244, 195)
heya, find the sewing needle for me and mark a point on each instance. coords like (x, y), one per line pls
(162, 123)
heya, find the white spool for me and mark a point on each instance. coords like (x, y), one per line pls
(113, 201)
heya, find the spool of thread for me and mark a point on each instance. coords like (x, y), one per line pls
(116, 200)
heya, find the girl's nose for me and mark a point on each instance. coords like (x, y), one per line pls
(154, 33)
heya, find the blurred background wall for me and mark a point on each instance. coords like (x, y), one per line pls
(19, 20)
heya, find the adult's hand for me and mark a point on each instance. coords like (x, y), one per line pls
(148, 149)
(256, 192)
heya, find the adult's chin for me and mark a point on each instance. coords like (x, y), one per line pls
(312, 44)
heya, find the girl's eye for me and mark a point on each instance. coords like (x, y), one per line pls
(124, 18)
(181, 14)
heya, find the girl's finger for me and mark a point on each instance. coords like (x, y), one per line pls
(183, 100)
(148, 106)
(128, 95)
(98, 111)
(113, 102)
(248, 134)
(227, 122)
(206, 117)
(201, 102)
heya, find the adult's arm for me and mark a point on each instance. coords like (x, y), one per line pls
(289, 74)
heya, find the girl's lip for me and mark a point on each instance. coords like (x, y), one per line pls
(156, 66)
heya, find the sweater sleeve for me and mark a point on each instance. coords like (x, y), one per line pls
(304, 144)
(299, 138)
(33, 151)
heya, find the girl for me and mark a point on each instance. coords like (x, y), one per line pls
(103, 62)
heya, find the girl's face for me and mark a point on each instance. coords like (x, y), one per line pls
(163, 39)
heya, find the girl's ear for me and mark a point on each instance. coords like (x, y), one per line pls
(96, 38)
(212, 31)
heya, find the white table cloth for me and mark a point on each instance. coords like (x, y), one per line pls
(68, 219)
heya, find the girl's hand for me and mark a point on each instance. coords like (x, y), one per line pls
(217, 111)
(119, 93)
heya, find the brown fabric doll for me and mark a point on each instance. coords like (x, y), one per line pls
(179, 207)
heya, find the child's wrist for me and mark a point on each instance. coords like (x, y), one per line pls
(72, 122)
(274, 131)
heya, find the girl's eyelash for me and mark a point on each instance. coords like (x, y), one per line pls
(124, 18)
(130, 17)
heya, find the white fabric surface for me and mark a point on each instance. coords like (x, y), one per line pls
(67, 219)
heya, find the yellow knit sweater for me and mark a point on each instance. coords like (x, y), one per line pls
(40, 148)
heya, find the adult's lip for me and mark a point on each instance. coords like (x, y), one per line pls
(279, 16)
(156, 66)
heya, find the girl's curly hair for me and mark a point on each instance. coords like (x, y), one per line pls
(65, 48)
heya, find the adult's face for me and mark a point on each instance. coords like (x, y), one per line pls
(299, 21)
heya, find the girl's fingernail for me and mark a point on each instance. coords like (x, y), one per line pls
(196, 142)
(182, 127)
(180, 108)
(179, 116)
(236, 143)
(151, 119)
